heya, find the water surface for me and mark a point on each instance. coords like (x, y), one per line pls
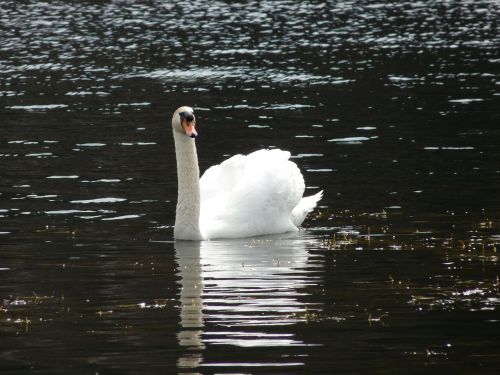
(391, 108)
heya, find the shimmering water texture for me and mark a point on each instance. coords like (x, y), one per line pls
(392, 108)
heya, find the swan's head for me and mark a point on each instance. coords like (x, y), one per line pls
(183, 121)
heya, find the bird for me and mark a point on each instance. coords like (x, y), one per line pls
(245, 196)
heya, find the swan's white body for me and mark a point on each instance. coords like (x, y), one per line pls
(244, 196)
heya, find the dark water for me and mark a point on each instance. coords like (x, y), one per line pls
(391, 108)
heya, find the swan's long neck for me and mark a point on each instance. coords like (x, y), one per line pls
(187, 218)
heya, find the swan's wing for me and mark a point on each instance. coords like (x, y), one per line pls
(220, 179)
(250, 195)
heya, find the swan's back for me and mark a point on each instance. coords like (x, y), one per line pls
(250, 195)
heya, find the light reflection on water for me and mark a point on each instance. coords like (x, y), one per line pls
(233, 291)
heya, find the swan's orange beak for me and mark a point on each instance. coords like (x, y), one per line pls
(189, 128)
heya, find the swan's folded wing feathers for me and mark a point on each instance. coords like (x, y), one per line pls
(251, 195)
(221, 178)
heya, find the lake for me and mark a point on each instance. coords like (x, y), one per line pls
(390, 108)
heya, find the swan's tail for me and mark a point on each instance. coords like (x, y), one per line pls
(305, 206)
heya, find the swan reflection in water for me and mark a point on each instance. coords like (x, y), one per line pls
(237, 293)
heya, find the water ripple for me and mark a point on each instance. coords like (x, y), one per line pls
(239, 74)
(245, 285)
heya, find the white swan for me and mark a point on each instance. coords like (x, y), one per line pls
(244, 196)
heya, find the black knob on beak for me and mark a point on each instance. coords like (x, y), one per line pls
(188, 116)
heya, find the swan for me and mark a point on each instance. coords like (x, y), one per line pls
(244, 196)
